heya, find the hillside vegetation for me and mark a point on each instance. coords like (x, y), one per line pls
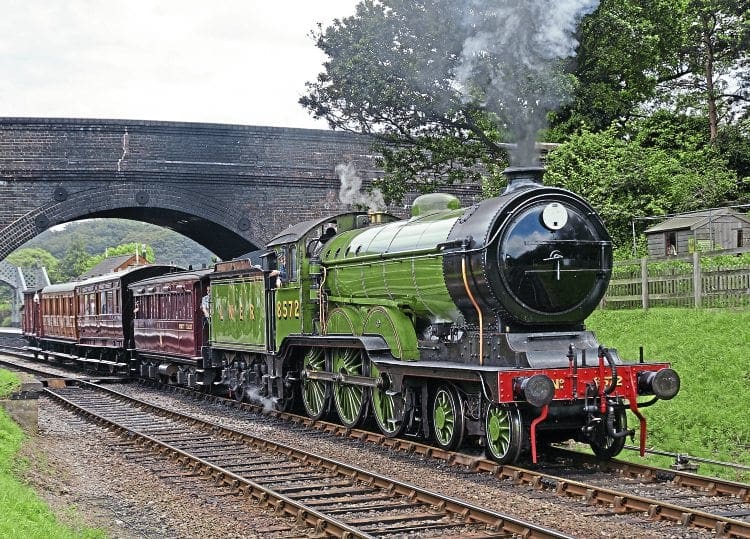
(710, 349)
(99, 234)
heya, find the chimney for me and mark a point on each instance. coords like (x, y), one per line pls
(518, 177)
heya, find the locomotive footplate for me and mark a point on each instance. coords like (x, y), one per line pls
(486, 376)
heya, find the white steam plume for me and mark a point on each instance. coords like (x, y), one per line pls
(513, 58)
(351, 189)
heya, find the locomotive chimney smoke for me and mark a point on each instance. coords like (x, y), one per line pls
(513, 59)
(351, 190)
(522, 176)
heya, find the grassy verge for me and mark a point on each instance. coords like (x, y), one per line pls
(710, 349)
(9, 382)
(22, 513)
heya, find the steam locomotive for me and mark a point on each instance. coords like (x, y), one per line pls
(457, 324)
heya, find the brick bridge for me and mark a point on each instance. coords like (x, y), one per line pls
(228, 187)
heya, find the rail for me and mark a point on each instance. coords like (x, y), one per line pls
(332, 497)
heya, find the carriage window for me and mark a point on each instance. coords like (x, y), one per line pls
(116, 301)
(164, 310)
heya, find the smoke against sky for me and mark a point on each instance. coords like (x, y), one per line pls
(512, 58)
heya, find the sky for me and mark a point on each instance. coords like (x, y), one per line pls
(220, 61)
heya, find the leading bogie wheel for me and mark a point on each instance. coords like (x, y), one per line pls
(316, 394)
(604, 445)
(350, 400)
(503, 435)
(447, 417)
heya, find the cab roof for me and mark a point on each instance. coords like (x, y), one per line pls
(296, 232)
(345, 221)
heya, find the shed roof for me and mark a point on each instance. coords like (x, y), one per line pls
(693, 220)
(108, 265)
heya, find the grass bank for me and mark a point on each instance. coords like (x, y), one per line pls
(22, 513)
(9, 382)
(710, 349)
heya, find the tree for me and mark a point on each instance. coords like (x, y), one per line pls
(654, 167)
(710, 71)
(734, 144)
(75, 262)
(444, 82)
(99, 234)
(32, 258)
(624, 52)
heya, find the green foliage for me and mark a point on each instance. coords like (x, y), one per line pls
(32, 258)
(390, 72)
(678, 266)
(75, 262)
(97, 235)
(710, 70)
(629, 172)
(734, 144)
(22, 513)
(6, 298)
(397, 69)
(9, 382)
(708, 418)
(624, 50)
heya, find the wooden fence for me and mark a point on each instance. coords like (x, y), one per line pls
(677, 282)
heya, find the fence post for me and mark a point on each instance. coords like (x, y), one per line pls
(697, 282)
(644, 282)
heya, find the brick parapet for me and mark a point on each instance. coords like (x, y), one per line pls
(248, 182)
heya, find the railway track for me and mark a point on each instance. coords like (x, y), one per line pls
(710, 503)
(334, 498)
(692, 500)
(22, 359)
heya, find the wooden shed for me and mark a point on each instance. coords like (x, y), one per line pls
(114, 263)
(708, 230)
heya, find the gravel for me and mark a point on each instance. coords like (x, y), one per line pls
(88, 476)
(136, 496)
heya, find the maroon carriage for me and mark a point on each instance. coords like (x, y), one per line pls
(31, 320)
(169, 328)
(57, 311)
(105, 313)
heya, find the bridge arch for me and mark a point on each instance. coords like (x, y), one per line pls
(228, 187)
(196, 215)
